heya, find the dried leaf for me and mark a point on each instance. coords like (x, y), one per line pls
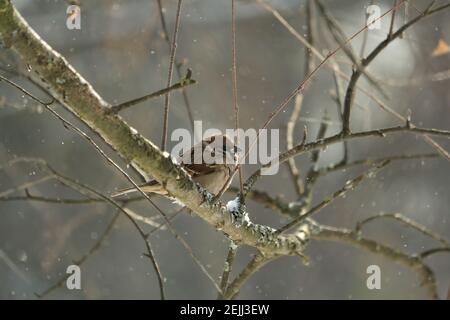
(441, 48)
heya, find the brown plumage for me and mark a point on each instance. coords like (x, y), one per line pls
(209, 163)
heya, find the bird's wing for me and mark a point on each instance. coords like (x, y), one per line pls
(195, 170)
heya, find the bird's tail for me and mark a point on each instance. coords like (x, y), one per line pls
(123, 192)
(150, 187)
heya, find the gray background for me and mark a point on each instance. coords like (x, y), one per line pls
(120, 51)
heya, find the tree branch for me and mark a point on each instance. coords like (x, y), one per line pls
(353, 238)
(340, 137)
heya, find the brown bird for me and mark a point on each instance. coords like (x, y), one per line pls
(210, 163)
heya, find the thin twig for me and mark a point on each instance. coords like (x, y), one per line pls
(97, 245)
(349, 185)
(173, 50)
(13, 266)
(405, 17)
(235, 90)
(254, 265)
(24, 186)
(311, 175)
(320, 135)
(42, 88)
(180, 85)
(391, 26)
(31, 197)
(290, 128)
(340, 108)
(405, 220)
(430, 252)
(232, 250)
(275, 203)
(49, 200)
(165, 34)
(369, 161)
(416, 264)
(163, 224)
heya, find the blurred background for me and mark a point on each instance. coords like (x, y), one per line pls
(120, 50)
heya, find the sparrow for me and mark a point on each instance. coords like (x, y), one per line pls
(210, 163)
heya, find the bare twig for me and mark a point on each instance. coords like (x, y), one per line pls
(342, 166)
(391, 26)
(416, 264)
(254, 265)
(293, 209)
(66, 201)
(349, 185)
(180, 85)
(320, 135)
(173, 50)
(165, 33)
(290, 128)
(405, 220)
(4, 194)
(295, 172)
(12, 265)
(163, 224)
(97, 245)
(312, 176)
(232, 250)
(430, 252)
(31, 197)
(405, 16)
(235, 89)
(340, 107)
